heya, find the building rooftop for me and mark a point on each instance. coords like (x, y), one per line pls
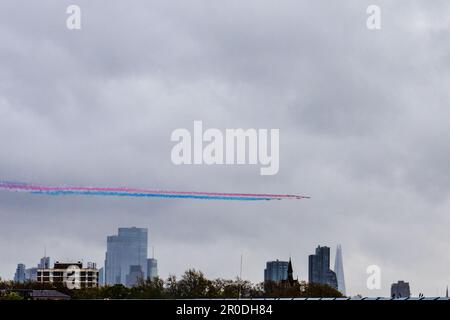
(48, 294)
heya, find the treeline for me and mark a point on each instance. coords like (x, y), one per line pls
(192, 284)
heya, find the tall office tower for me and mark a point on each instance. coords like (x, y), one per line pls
(400, 290)
(70, 274)
(44, 263)
(20, 275)
(276, 271)
(127, 248)
(152, 268)
(339, 270)
(319, 268)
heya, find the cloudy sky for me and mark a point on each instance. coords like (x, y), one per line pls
(363, 118)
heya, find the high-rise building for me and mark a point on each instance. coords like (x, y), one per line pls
(135, 276)
(20, 275)
(152, 268)
(127, 248)
(31, 274)
(276, 271)
(400, 290)
(319, 268)
(339, 270)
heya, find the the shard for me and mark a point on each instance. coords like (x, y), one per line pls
(339, 270)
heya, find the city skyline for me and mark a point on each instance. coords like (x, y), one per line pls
(128, 250)
(339, 269)
(129, 239)
(319, 270)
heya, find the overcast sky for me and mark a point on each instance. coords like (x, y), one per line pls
(363, 118)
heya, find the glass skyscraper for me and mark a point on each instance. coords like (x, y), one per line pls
(127, 248)
(135, 276)
(400, 290)
(276, 271)
(339, 269)
(44, 263)
(101, 276)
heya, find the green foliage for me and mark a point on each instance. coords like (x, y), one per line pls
(300, 290)
(321, 291)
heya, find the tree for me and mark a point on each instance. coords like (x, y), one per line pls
(117, 291)
(299, 290)
(316, 290)
(193, 284)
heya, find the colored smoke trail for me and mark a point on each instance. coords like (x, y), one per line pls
(141, 193)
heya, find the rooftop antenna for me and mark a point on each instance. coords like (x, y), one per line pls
(153, 252)
(240, 277)
(43, 266)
